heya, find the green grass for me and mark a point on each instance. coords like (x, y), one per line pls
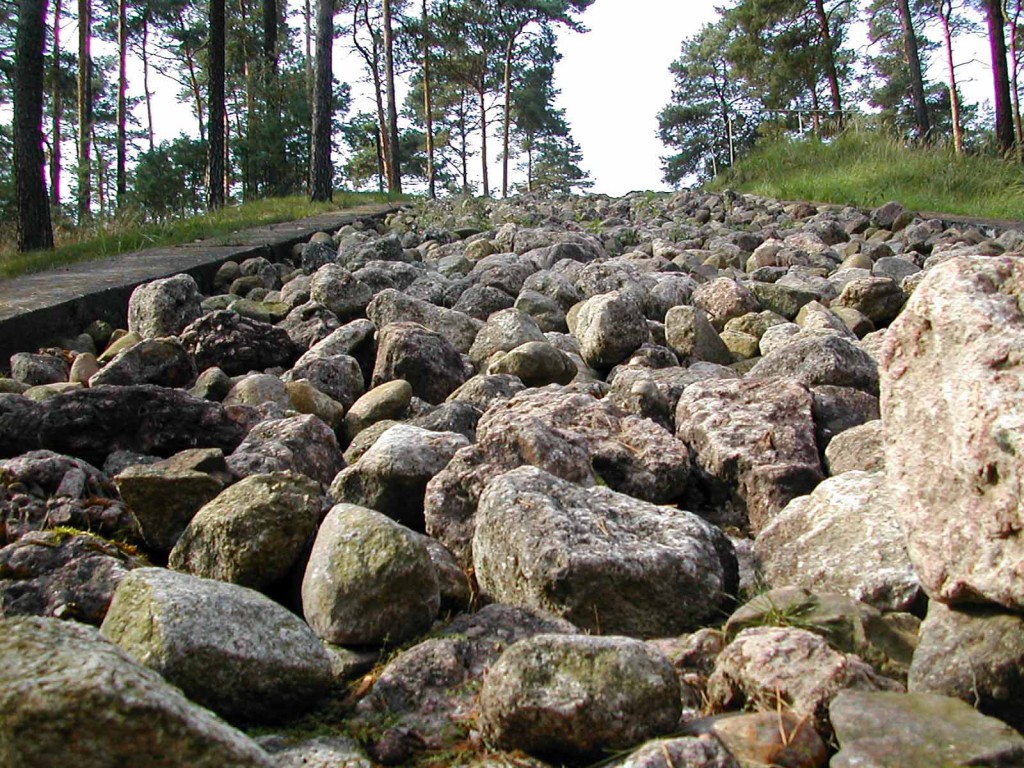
(868, 169)
(125, 233)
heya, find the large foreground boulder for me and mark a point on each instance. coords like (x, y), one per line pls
(70, 697)
(227, 647)
(952, 375)
(607, 562)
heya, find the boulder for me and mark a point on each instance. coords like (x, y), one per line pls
(880, 299)
(678, 752)
(92, 423)
(344, 295)
(164, 307)
(60, 678)
(226, 647)
(952, 371)
(572, 435)
(256, 389)
(536, 364)
(504, 330)
(610, 327)
(425, 359)
(722, 299)
(771, 739)
(306, 324)
(844, 537)
(253, 532)
(765, 668)
(20, 424)
(152, 361)
(689, 333)
(608, 563)
(237, 344)
(392, 475)
(973, 653)
(573, 696)
(861, 448)
(918, 730)
(34, 370)
(302, 444)
(61, 574)
(754, 445)
(391, 306)
(384, 402)
(369, 580)
(815, 359)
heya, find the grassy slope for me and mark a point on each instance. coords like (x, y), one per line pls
(125, 235)
(865, 169)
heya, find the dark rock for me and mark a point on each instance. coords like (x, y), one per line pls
(424, 358)
(237, 344)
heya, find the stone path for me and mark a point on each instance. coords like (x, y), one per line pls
(37, 308)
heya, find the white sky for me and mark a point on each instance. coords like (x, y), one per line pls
(613, 80)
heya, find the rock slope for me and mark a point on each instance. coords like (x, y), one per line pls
(697, 479)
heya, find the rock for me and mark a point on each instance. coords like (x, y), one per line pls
(164, 500)
(308, 324)
(386, 401)
(784, 300)
(227, 647)
(818, 359)
(390, 306)
(604, 561)
(973, 653)
(392, 475)
(772, 738)
(891, 216)
(118, 343)
(302, 444)
(336, 288)
(430, 690)
(164, 307)
(764, 668)
(61, 574)
(952, 371)
(337, 376)
(83, 368)
(575, 696)
(610, 327)
(305, 398)
(212, 384)
(536, 364)
(844, 537)
(20, 424)
(504, 331)
(322, 752)
(545, 310)
(92, 423)
(257, 389)
(878, 298)
(482, 301)
(722, 299)
(677, 753)
(918, 730)
(691, 336)
(754, 445)
(369, 580)
(837, 409)
(573, 436)
(152, 361)
(59, 678)
(425, 359)
(860, 448)
(237, 344)
(253, 532)
(34, 370)
(486, 390)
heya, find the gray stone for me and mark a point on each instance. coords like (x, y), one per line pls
(337, 376)
(690, 335)
(754, 444)
(918, 730)
(844, 537)
(879, 298)
(59, 678)
(152, 361)
(424, 358)
(485, 390)
(340, 292)
(953, 369)
(392, 475)
(610, 327)
(308, 324)
(164, 307)
(302, 444)
(723, 299)
(390, 306)
(482, 301)
(604, 561)
(34, 370)
(536, 364)
(384, 402)
(818, 359)
(227, 647)
(504, 331)
(858, 448)
(236, 344)
(684, 752)
(369, 580)
(257, 389)
(576, 696)
(972, 653)
(253, 532)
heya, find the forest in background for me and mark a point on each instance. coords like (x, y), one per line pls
(258, 79)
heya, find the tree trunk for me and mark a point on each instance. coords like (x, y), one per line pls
(1000, 75)
(58, 110)
(122, 102)
(84, 109)
(1015, 75)
(215, 101)
(372, 59)
(321, 181)
(395, 171)
(506, 117)
(428, 106)
(145, 77)
(913, 55)
(830, 62)
(482, 94)
(945, 16)
(35, 229)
